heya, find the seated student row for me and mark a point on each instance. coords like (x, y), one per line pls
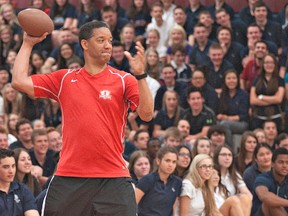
(223, 157)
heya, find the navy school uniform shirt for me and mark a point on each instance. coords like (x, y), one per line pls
(123, 66)
(239, 32)
(121, 22)
(211, 98)
(49, 164)
(18, 200)
(205, 118)
(159, 197)
(84, 17)
(273, 32)
(267, 180)
(237, 105)
(188, 26)
(198, 57)
(76, 47)
(246, 16)
(215, 78)
(132, 50)
(179, 87)
(121, 13)
(59, 20)
(140, 21)
(194, 15)
(164, 120)
(17, 144)
(212, 9)
(250, 175)
(233, 56)
(213, 34)
(283, 59)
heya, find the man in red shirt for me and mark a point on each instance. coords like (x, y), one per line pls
(91, 177)
(252, 68)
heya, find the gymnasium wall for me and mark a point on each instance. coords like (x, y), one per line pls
(275, 5)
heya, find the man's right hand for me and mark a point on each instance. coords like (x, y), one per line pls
(31, 40)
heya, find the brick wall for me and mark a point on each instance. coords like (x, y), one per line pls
(275, 6)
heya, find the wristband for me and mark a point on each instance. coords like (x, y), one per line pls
(142, 76)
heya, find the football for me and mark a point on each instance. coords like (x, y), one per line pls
(35, 22)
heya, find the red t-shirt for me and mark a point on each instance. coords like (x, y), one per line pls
(94, 110)
(249, 73)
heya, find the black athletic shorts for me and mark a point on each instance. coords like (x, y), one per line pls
(70, 196)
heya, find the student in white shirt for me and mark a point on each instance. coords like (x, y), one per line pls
(197, 196)
(228, 206)
(224, 161)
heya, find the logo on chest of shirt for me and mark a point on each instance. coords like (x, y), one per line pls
(105, 94)
(16, 198)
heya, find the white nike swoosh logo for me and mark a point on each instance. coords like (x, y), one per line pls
(74, 80)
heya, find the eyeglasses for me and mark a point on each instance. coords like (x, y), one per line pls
(198, 78)
(218, 134)
(205, 167)
(184, 155)
(226, 154)
(269, 62)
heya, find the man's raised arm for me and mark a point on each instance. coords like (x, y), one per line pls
(20, 78)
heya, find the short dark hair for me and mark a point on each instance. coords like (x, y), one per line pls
(203, 69)
(215, 46)
(153, 139)
(38, 132)
(255, 25)
(136, 135)
(221, 10)
(194, 89)
(117, 43)
(86, 30)
(6, 153)
(22, 122)
(108, 8)
(168, 65)
(156, 4)
(216, 128)
(4, 68)
(259, 146)
(263, 42)
(74, 59)
(205, 12)
(259, 4)
(179, 7)
(220, 28)
(277, 152)
(268, 121)
(280, 137)
(164, 150)
(199, 25)
(177, 47)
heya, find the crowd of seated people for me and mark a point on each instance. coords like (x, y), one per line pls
(214, 74)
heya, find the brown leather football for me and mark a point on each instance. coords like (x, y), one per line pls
(35, 22)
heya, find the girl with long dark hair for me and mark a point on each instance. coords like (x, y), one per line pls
(267, 94)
